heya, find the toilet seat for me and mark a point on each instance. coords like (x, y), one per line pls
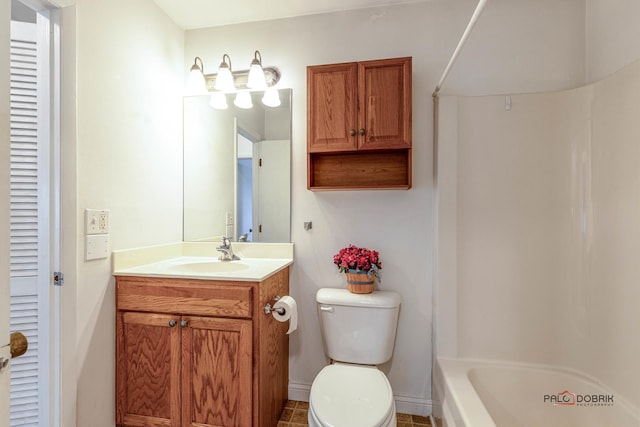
(345, 395)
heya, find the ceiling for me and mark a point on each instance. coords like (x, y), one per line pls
(191, 14)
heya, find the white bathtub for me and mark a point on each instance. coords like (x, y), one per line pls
(492, 394)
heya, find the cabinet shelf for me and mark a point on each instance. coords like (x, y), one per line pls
(360, 170)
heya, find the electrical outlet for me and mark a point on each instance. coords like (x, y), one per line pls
(103, 222)
(96, 221)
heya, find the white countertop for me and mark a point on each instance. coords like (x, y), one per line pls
(200, 261)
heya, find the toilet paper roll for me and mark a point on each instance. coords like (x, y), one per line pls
(290, 312)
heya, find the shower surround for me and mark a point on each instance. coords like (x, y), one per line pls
(538, 230)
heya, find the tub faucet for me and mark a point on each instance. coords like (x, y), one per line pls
(227, 252)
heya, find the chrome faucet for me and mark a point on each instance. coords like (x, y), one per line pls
(227, 252)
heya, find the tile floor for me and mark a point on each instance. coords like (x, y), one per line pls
(295, 415)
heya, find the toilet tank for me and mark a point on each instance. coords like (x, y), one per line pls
(358, 328)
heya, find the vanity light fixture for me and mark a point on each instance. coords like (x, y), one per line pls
(197, 84)
(224, 79)
(243, 100)
(218, 101)
(256, 79)
(271, 97)
(228, 81)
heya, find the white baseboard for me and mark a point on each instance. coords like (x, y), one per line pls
(404, 404)
(413, 405)
(436, 410)
(299, 391)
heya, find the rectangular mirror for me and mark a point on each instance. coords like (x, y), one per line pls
(237, 170)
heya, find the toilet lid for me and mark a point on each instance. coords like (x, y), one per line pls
(351, 396)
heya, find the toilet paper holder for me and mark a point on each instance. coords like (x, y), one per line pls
(269, 308)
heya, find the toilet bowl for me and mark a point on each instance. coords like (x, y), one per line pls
(347, 395)
(358, 333)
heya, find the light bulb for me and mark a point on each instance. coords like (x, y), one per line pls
(218, 101)
(224, 79)
(243, 100)
(256, 79)
(196, 84)
(271, 97)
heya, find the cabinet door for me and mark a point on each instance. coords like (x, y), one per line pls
(148, 370)
(384, 100)
(331, 112)
(216, 372)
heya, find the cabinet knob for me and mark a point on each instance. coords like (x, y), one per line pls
(172, 323)
(184, 324)
(352, 132)
(362, 131)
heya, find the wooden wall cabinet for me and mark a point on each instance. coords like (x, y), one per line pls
(359, 125)
(199, 353)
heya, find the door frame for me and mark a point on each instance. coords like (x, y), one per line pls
(5, 18)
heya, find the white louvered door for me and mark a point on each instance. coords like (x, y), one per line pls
(29, 235)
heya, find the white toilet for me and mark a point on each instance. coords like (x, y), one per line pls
(358, 332)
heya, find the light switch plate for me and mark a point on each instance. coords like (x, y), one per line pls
(96, 221)
(96, 246)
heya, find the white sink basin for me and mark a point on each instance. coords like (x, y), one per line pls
(209, 267)
(249, 267)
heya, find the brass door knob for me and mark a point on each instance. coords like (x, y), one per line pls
(19, 344)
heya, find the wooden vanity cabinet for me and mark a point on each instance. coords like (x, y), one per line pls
(199, 353)
(359, 125)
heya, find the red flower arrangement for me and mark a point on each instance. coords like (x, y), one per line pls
(359, 259)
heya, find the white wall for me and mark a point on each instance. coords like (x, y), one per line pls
(520, 46)
(208, 150)
(517, 199)
(277, 123)
(127, 158)
(69, 214)
(210, 156)
(397, 223)
(612, 36)
(608, 322)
